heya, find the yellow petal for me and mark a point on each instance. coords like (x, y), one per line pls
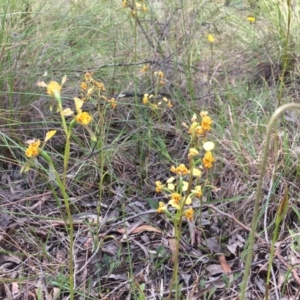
(34, 142)
(28, 142)
(193, 126)
(171, 186)
(64, 79)
(188, 200)
(196, 172)
(174, 204)
(78, 104)
(171, 179)
(68, 112)
(90, 91)
(184, 125)
(203, 113)
(208, 146)
(41, 84)
(161, 207)
(49, 135)
(194, 118)
(193, 152)
(53, 87)
(185, 186)
(197, 191)
(173, 169)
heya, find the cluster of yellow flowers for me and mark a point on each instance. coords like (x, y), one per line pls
(53, 89)
(184, 186)
(81, 117)
(199, 128)
(161, 77)
(135, 6)
(151, 99)
(148, 98)
(179, 192)
(145, 68)
(89, 87)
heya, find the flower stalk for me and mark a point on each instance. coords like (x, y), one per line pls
(184, 187)
(34, 149)
(258, 195)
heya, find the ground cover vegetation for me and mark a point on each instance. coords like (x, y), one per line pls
(137, 155)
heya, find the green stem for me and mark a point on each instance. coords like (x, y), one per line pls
(101, 158)
(281, 212)
(191, 166)
(62, 185)
(178, 228)
(68, 221)
(66, 158)
(68, 138)
(174, 280)
(59, 103)
(277, 223)
(177, 223)
(274, 118)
